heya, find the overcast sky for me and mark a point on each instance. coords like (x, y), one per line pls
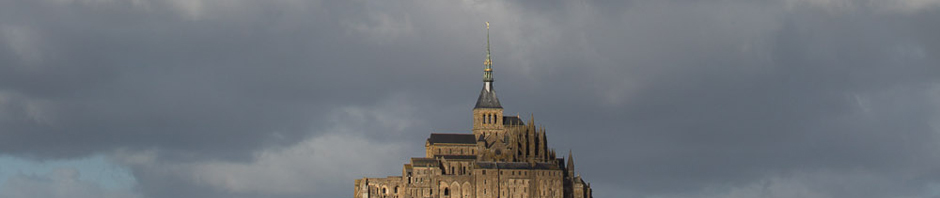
(296, 98)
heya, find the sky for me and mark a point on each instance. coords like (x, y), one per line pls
(297, 98)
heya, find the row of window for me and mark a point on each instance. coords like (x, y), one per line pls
(489, 118)
(463, 170)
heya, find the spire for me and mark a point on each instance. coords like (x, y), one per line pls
(570, 163)
(488, 63)
(487, 97)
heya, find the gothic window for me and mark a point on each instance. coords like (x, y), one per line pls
(446, 191)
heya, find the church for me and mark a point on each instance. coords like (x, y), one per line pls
(503, 157)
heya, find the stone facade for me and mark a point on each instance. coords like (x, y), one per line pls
(503, 157)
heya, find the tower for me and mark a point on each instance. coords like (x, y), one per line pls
(488, 113)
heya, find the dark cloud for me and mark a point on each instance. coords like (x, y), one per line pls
(797, 98)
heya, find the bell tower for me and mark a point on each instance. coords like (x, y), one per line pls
(488, 113)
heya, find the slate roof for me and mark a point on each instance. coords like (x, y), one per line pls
(488, 99)
(452, 138)
(512, 120)
(424, 162)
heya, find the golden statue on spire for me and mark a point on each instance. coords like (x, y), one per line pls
(488, 62)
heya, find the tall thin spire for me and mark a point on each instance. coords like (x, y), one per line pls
(488, 63)
(487, 95)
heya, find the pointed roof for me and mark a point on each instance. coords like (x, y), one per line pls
(487, 97)
(570, 162)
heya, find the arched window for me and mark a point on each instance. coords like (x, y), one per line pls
(446, 191)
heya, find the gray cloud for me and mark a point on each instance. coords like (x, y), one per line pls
(803, 98)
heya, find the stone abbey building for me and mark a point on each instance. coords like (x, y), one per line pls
(504, 157)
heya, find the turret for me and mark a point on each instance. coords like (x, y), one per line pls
(570, 165)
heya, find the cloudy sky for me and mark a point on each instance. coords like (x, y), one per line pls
(297, 98)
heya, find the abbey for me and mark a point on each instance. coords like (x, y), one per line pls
(503, 157)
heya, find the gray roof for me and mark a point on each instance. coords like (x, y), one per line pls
(424, 162)
(453, 138)
(488, 99)
(512, 120)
